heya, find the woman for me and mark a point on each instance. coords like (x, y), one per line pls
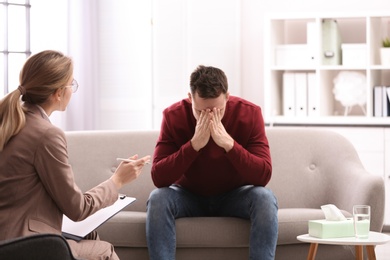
(36, 180)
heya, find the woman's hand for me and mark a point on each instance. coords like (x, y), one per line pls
(129, 171)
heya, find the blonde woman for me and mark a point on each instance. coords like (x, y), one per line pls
(36, 180)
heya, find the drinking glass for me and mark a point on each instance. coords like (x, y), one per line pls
(361, 220)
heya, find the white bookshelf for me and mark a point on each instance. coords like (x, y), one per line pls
(369, 134)
(292, 30)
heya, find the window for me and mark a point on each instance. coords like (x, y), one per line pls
(14, 42)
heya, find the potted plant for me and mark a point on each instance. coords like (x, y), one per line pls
(385, 52)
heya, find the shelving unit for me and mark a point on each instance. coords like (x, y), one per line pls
(369, 134)
(282, 30)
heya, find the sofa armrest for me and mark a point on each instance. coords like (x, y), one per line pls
(313, 167)
(356, 186)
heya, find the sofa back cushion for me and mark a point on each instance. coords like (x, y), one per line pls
(93, 154)
(308, 166)
(305, 163)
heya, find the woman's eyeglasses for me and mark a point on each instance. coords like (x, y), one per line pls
(74, 86)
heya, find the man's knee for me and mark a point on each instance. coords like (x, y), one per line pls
(264, 197)
(160, 198)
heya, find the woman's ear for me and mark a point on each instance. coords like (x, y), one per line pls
(58, 94)
(189, 97)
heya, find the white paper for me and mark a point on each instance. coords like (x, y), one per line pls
(82, 228)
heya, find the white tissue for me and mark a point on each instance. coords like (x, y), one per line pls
(332, 213)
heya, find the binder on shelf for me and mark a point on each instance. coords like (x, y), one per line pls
(288, 94)
(385, 101)
(331, 42)
(388, 98)
(312, 95)
(378, 101)
(300, 94)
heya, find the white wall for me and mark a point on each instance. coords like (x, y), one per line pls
(124, 76)
(184, 34)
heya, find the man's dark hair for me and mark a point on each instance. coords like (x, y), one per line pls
(208, 82)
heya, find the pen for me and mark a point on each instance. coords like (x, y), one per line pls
(127, 160)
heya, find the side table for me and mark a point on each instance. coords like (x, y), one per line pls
(374, 238)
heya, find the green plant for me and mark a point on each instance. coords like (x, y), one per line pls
(386, 42)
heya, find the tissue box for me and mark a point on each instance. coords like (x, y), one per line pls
(331, 229)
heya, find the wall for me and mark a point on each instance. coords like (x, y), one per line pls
(225, 33)
(185, 35)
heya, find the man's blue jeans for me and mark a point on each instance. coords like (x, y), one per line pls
(248, 202)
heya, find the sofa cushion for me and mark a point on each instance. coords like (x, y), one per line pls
(200, 231)
(191, 232)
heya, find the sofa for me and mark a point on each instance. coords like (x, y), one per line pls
(311, 167)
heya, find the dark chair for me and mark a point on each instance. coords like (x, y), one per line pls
(36, 247)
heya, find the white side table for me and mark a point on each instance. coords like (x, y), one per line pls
(374, 239)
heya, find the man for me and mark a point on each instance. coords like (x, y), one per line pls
(211, 159)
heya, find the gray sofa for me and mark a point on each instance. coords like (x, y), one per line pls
(310, 168)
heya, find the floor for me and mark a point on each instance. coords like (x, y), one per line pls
(382, 252)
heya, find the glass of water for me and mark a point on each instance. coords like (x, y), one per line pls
(361, 220)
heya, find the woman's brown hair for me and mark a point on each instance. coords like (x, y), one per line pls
(40, 77)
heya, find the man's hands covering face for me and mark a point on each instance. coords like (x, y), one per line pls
(218, 131)
(202, 130)
(209, 124)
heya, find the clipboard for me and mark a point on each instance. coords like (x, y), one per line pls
(78, 230)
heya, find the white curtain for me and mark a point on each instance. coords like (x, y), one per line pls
(110, 42)
(70, 26)
(83, 48)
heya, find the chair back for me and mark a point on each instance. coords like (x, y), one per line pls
(36, 247)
